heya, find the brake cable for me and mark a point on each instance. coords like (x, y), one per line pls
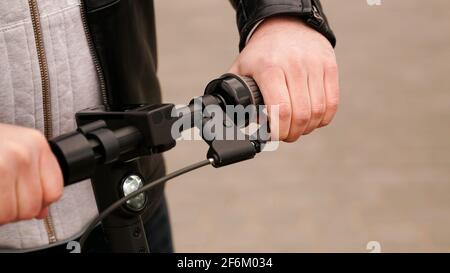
(91, 226)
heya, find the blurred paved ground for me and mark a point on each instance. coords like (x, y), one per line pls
(379, 173)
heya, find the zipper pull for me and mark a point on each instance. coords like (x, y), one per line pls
(317, 14)
(315, 19)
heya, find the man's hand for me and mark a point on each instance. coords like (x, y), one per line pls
(30, 177)
(295, 68)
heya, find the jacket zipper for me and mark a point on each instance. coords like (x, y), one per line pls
(98, 68)
(314, 18)
(317, 15)
(45, 80)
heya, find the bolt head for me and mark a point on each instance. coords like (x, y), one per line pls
(131, 184)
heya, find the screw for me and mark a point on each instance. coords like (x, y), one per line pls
(137, 232)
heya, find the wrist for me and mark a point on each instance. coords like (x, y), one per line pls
(279, 24)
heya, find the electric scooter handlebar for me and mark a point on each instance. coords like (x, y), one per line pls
(107, 143)
(105, 137)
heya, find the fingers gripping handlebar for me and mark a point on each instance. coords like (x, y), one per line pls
(104, 137)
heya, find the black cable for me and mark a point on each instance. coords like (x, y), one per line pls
(147, 187)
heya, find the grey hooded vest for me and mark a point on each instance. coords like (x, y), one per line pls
(74, 86)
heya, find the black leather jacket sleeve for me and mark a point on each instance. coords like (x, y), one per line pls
(250, 12)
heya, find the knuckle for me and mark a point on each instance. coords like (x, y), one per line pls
(333, 103)
(284, 111)
(26, 214)
(59, 181)
(58, 184)
(31, 210)
(309, 130)
(59, 193)
(293, 137)
(52, 181)
(317, 111)
(35, 210)
(333, 106)
(53, 193)
(325, 122)
(19, 154)
(301, 117)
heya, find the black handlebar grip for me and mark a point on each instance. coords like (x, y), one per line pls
(75, 156)
(236, 90)
(255, 94)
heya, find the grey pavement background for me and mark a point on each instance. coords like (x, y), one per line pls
(380, 172)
